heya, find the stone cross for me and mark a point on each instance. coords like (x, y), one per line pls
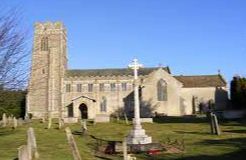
(135, 66)
(137, 134)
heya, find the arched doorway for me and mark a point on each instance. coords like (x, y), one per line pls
(83, 111)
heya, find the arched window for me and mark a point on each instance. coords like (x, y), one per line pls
(103, 105)
(161, 90)
(44, 44)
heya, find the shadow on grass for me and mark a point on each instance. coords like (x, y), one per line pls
(238, 155)
(199, 133)
(6, 132)
(235, 131)
(184, 119)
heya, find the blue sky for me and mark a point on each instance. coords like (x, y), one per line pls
(190, 36)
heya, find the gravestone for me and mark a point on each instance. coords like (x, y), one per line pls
(4, 119)
(49, 123)
(15, 123)
(23, 153)
(124, 145)
(214, 125)
(10, 120)
(60, 123)
(72, 144)
(84, 126)
(20, 121)
(217, 129)
(126, 119)
(31, 144)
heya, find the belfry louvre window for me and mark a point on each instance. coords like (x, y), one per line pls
(68, 87)
(44, 44)
(90, 87)
(161, 90)
(79, 87)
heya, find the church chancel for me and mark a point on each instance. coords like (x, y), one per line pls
(56, 91)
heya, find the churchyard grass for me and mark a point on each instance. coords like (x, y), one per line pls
(199, 143)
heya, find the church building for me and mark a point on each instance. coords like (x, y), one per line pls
(56, 91)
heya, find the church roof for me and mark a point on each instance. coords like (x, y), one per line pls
(202, 81)
(110, 72)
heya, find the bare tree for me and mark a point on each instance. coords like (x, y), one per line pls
(13, 51)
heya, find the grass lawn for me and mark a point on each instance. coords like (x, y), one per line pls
(199, 144)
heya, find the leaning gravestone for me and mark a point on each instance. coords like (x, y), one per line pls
(23, 153)
(214, 125)
(31, 144)
(126, 119)
(72, 144)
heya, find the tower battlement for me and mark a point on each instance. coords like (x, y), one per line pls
(48, 27)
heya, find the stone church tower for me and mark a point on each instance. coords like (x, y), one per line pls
(49, 63)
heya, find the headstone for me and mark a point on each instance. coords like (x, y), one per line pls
(124, 145)
(31, 144)
(15, 123)
(20, 121)
(49, 123)
(212, 127)
(84, 126)
(214, 124)
(23, 153)
(10, 120)
(217, 129)
(60, 123)
(72, 144)
(126, 119)
(131, 157)
(4, 120)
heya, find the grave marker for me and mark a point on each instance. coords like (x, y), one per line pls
(4, 119)
(15, 123)
(31, 144)
(23, 153)
(72, 144)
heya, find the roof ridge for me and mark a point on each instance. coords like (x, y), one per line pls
(112, 68)
(202, 75)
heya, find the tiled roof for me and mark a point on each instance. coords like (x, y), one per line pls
(110, 72)
(202, 81)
